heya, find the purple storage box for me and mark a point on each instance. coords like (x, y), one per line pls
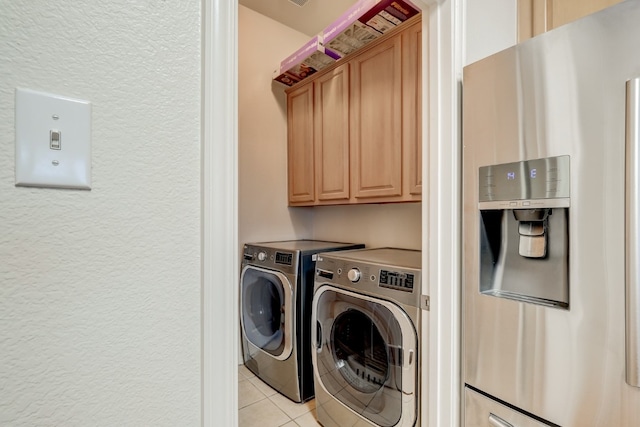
(309, 59)
(364, 22)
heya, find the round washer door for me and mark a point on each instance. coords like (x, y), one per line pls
(266, 310)
(365, 355)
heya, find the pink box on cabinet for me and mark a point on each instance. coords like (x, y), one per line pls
(309, 59)
(364, 22)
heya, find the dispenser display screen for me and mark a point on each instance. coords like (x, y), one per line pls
(533, 173)
(530, 179)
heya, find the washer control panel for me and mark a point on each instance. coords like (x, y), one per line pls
(271, 258)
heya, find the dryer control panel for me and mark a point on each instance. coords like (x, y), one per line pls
(396, 280)
(399, 283)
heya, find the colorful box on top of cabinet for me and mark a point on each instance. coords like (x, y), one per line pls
(310, 58)
(364, 22)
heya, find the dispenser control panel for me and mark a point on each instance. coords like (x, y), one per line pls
(522, 183)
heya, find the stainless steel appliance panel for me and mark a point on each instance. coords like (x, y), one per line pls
(366, 311)
(482, 411)
(560, 94)
(276, 290)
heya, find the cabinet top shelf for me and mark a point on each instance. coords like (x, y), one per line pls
(389, 34)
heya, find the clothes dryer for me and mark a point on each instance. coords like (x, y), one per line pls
(366, 337)
(276, 289)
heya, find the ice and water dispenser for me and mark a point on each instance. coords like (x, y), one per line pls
(524, 230)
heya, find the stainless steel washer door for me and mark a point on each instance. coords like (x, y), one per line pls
(266, 310)
(365, 356)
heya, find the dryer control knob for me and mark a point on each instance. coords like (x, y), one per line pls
(262, 256)
(354, 275)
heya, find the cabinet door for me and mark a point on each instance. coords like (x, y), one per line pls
(376, 129)
(331, 127)
(412, 108)
(537, 16)
(300, 144)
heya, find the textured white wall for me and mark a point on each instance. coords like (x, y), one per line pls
(100, 290)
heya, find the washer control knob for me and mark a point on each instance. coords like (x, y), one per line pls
(354, 275)
(262, 256)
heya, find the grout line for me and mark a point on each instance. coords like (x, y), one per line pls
(290, 419)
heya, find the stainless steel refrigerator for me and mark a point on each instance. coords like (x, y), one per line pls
(551, 223)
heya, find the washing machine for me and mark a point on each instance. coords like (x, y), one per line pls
(276, 290)
(366, 337)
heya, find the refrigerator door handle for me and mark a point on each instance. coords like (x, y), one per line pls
(632, 224)
(496, 421)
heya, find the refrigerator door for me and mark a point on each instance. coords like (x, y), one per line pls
(560, 94)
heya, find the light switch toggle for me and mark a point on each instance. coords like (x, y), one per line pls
(40, 120)
(54, 139)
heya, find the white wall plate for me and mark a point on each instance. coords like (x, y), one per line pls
(53, 141)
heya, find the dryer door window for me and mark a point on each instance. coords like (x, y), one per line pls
(266, 317)
(361, 350)
(366, 355)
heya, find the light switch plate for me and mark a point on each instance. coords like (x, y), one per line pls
(53, 140)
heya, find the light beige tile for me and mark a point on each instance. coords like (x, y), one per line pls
(308, 420)
(244, 372)
(262, 414)
(262, 386)
(292, 409)
(248, 394)
(290, 424)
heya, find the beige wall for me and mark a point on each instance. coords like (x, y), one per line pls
(263, 214)
(393, 224)
(100, 289)
(490, 26)
(263, 211)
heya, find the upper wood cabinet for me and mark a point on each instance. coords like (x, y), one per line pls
(300, 144)
(331, 135)
(412, 108)
(363, 119)
(537, 16)
(376, 121)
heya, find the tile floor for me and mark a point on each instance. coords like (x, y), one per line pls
(260, 405)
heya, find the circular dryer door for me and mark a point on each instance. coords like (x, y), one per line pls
(365, 355)
(265, 310)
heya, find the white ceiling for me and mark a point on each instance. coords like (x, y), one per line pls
(309, 19)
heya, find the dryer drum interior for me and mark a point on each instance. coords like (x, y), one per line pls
(357, 340)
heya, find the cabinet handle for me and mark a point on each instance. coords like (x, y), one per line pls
(496, 421)
(632, 224)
